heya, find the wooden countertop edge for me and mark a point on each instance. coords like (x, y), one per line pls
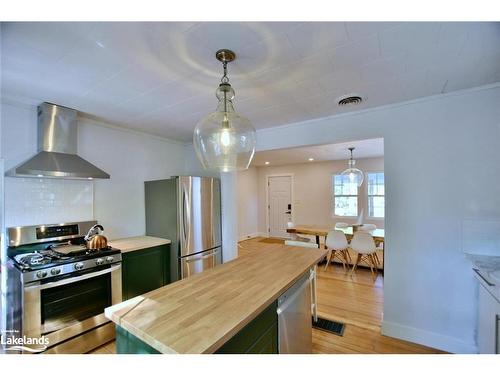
(137, 243)
(118, 312)
(257, 311)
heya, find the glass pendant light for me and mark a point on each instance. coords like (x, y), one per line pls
(223, 140)
(355, 175)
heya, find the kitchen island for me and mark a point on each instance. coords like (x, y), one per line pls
(211, 310)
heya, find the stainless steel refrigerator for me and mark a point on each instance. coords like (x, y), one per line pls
(186, 210)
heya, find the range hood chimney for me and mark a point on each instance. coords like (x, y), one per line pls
(57, 148)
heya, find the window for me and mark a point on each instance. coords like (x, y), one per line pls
(376, 192)
(345, 195)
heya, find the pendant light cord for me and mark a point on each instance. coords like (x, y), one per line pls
(225, 78)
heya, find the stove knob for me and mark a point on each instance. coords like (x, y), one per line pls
(55, 271)
(109, 259)
(41, 274)
(99, 261)
(78, 266)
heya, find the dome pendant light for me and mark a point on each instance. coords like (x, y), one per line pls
(223, 140)
(355, 175)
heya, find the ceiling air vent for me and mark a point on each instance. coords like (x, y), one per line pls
(350, 100)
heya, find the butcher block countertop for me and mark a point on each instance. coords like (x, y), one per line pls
(200, 313)
(137, 243)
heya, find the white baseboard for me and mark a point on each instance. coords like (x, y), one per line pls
(249, 236)
(427, 338)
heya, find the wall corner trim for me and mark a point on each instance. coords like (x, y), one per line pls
(427, 338)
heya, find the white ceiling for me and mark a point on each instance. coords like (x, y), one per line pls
(161, 77)
(369, 148)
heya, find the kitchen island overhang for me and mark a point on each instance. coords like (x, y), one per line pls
(203, 312)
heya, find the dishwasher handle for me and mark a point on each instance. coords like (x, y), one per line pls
(284, 305)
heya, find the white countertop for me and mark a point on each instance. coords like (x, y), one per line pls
(487, 263)
(136, 243)
(488, 272)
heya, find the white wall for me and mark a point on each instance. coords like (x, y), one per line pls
(312, 191)
(118, 203)
(430, 145)
(247, 203)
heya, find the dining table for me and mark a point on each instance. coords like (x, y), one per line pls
(322, 231)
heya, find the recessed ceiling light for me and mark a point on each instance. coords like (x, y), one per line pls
(266, 163)
(311, 159)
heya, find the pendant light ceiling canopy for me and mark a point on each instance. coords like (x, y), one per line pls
(223, 140)
(355, 175)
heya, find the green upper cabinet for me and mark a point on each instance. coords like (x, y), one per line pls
(145, 270)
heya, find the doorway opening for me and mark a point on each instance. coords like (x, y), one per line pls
(305, 187)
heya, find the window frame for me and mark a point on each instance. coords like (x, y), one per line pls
(368, 195)
(334, 215)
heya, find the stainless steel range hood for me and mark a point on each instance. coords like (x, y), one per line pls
(57, 148)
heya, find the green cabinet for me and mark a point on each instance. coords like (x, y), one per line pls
(260, 336)
(126, 343)
(145, 270)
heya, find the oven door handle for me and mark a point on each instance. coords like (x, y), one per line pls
(71, 280)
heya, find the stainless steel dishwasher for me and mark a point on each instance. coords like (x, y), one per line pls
(294, 318)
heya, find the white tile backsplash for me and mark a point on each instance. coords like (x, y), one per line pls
(31, 201)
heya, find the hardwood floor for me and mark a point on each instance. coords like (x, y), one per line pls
(356, 301)
(109, 348)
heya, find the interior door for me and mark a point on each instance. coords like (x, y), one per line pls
(280, 201)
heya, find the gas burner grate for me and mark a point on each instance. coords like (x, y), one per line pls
(32, 259)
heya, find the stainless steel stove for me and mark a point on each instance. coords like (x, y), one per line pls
(56, 261)
(58, 288)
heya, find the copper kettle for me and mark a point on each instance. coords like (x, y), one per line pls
(94, 240)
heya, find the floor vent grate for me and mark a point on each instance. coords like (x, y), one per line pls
(336, 328)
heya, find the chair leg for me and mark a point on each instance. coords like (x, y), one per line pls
(370, 261)
(358, 259)
(328, 259)
(348, 257)
(334, 252)
(373, 262)
(345, 261)
(375, 255)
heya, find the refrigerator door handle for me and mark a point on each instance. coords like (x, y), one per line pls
(185, 221)
(211, 255)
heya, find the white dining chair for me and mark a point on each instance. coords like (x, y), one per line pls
(364, 245)
(369, 228)
(295, 236)
(337, 245)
